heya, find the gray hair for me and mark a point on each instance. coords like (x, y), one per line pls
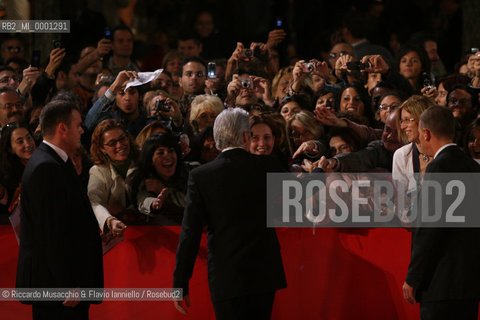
(229, 127)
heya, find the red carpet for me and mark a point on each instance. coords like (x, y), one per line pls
(331, 274)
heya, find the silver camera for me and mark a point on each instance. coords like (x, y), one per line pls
(309, 67)
(247, 83)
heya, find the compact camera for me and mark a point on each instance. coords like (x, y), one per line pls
(309, 67)
(247, 83)
(474, 50)
(428, 81)
(247, 54)
(161, 105)
(57, 44)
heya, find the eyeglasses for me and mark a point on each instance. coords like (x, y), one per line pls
(190, 74)
(385, 107)
(334, 55)
(15, 49)
(7, 79)
(407, 120)
(10, 106)
(113, 143)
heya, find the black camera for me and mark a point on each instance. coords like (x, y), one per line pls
(330, 104)
(247, 54)
(162, 106)
(356, 65)
(57, 44)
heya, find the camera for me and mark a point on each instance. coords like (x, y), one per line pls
(279, 23)
(212, 70)
(309, 67)
(161, 105)
(428, 81)
(247, 54)
(474, 50)
(356, 65)
(247, 83)
(330, 104)
(57, 44)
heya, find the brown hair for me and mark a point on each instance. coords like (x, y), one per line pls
(98, 157)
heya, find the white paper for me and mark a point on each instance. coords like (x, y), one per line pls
(144, 77)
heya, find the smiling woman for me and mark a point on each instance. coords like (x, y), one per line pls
(161, 180)
(16, 148)
(114, 154)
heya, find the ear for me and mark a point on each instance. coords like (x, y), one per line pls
(62, 129)
(180, 80)
(246, 138)
(427, 134)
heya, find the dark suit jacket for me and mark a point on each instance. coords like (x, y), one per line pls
(373, 156)
(228, 195)
(445, 262)
(60, 245)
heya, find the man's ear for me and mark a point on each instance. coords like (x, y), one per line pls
(246, 138)
(62, 129)
(427, 134)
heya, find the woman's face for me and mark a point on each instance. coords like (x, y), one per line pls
(116, 144)
(327, 100)
(283, 85)
(289, 109)
(409, 125)
(22, 144)
(206, 118)
(351, 102)
(387, 105)
(318, 83)
(300, 133)
(338, 145)
(164, 161)
(474, 143)
(174, 65)
(410, 65)
(262, 140)
(441, 98)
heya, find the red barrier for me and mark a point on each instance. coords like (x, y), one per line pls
(331, 274)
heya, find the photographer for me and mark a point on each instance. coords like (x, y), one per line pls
(161, 107)
(246, 89)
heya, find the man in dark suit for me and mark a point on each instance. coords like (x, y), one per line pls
(443, 274)
(228, 195)
(60, 245)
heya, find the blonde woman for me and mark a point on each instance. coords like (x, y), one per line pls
(205, 108)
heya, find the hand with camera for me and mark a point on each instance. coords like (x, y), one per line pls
(173, 111)
(121, 80)
(323, 70)
(56, 57)
(374, 64)
(233, 90)
(429, 92)
(341, 65)
(30, 76)
(275, 37)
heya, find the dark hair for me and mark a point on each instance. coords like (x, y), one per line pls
(422, 54)
(473, 94)
(194, 59)
(6, 68)
(468, 136)
(68, 96)
(347, 135)
(11, 168)
(54, 113)
(145, 165)
(301, 99)
(452, 80)
(120, 28)
(8, 89)
(188, 35)
(362, 92)
(439, 120)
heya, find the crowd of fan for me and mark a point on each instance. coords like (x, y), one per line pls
(349, 113)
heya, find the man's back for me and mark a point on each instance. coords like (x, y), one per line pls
(229, 196)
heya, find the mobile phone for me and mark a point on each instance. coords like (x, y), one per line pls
(36, 59)
(278, 23)
(108, 33)
(212, 70)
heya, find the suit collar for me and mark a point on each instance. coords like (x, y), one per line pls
(48, 149)
(448, 145)
(231, 153)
